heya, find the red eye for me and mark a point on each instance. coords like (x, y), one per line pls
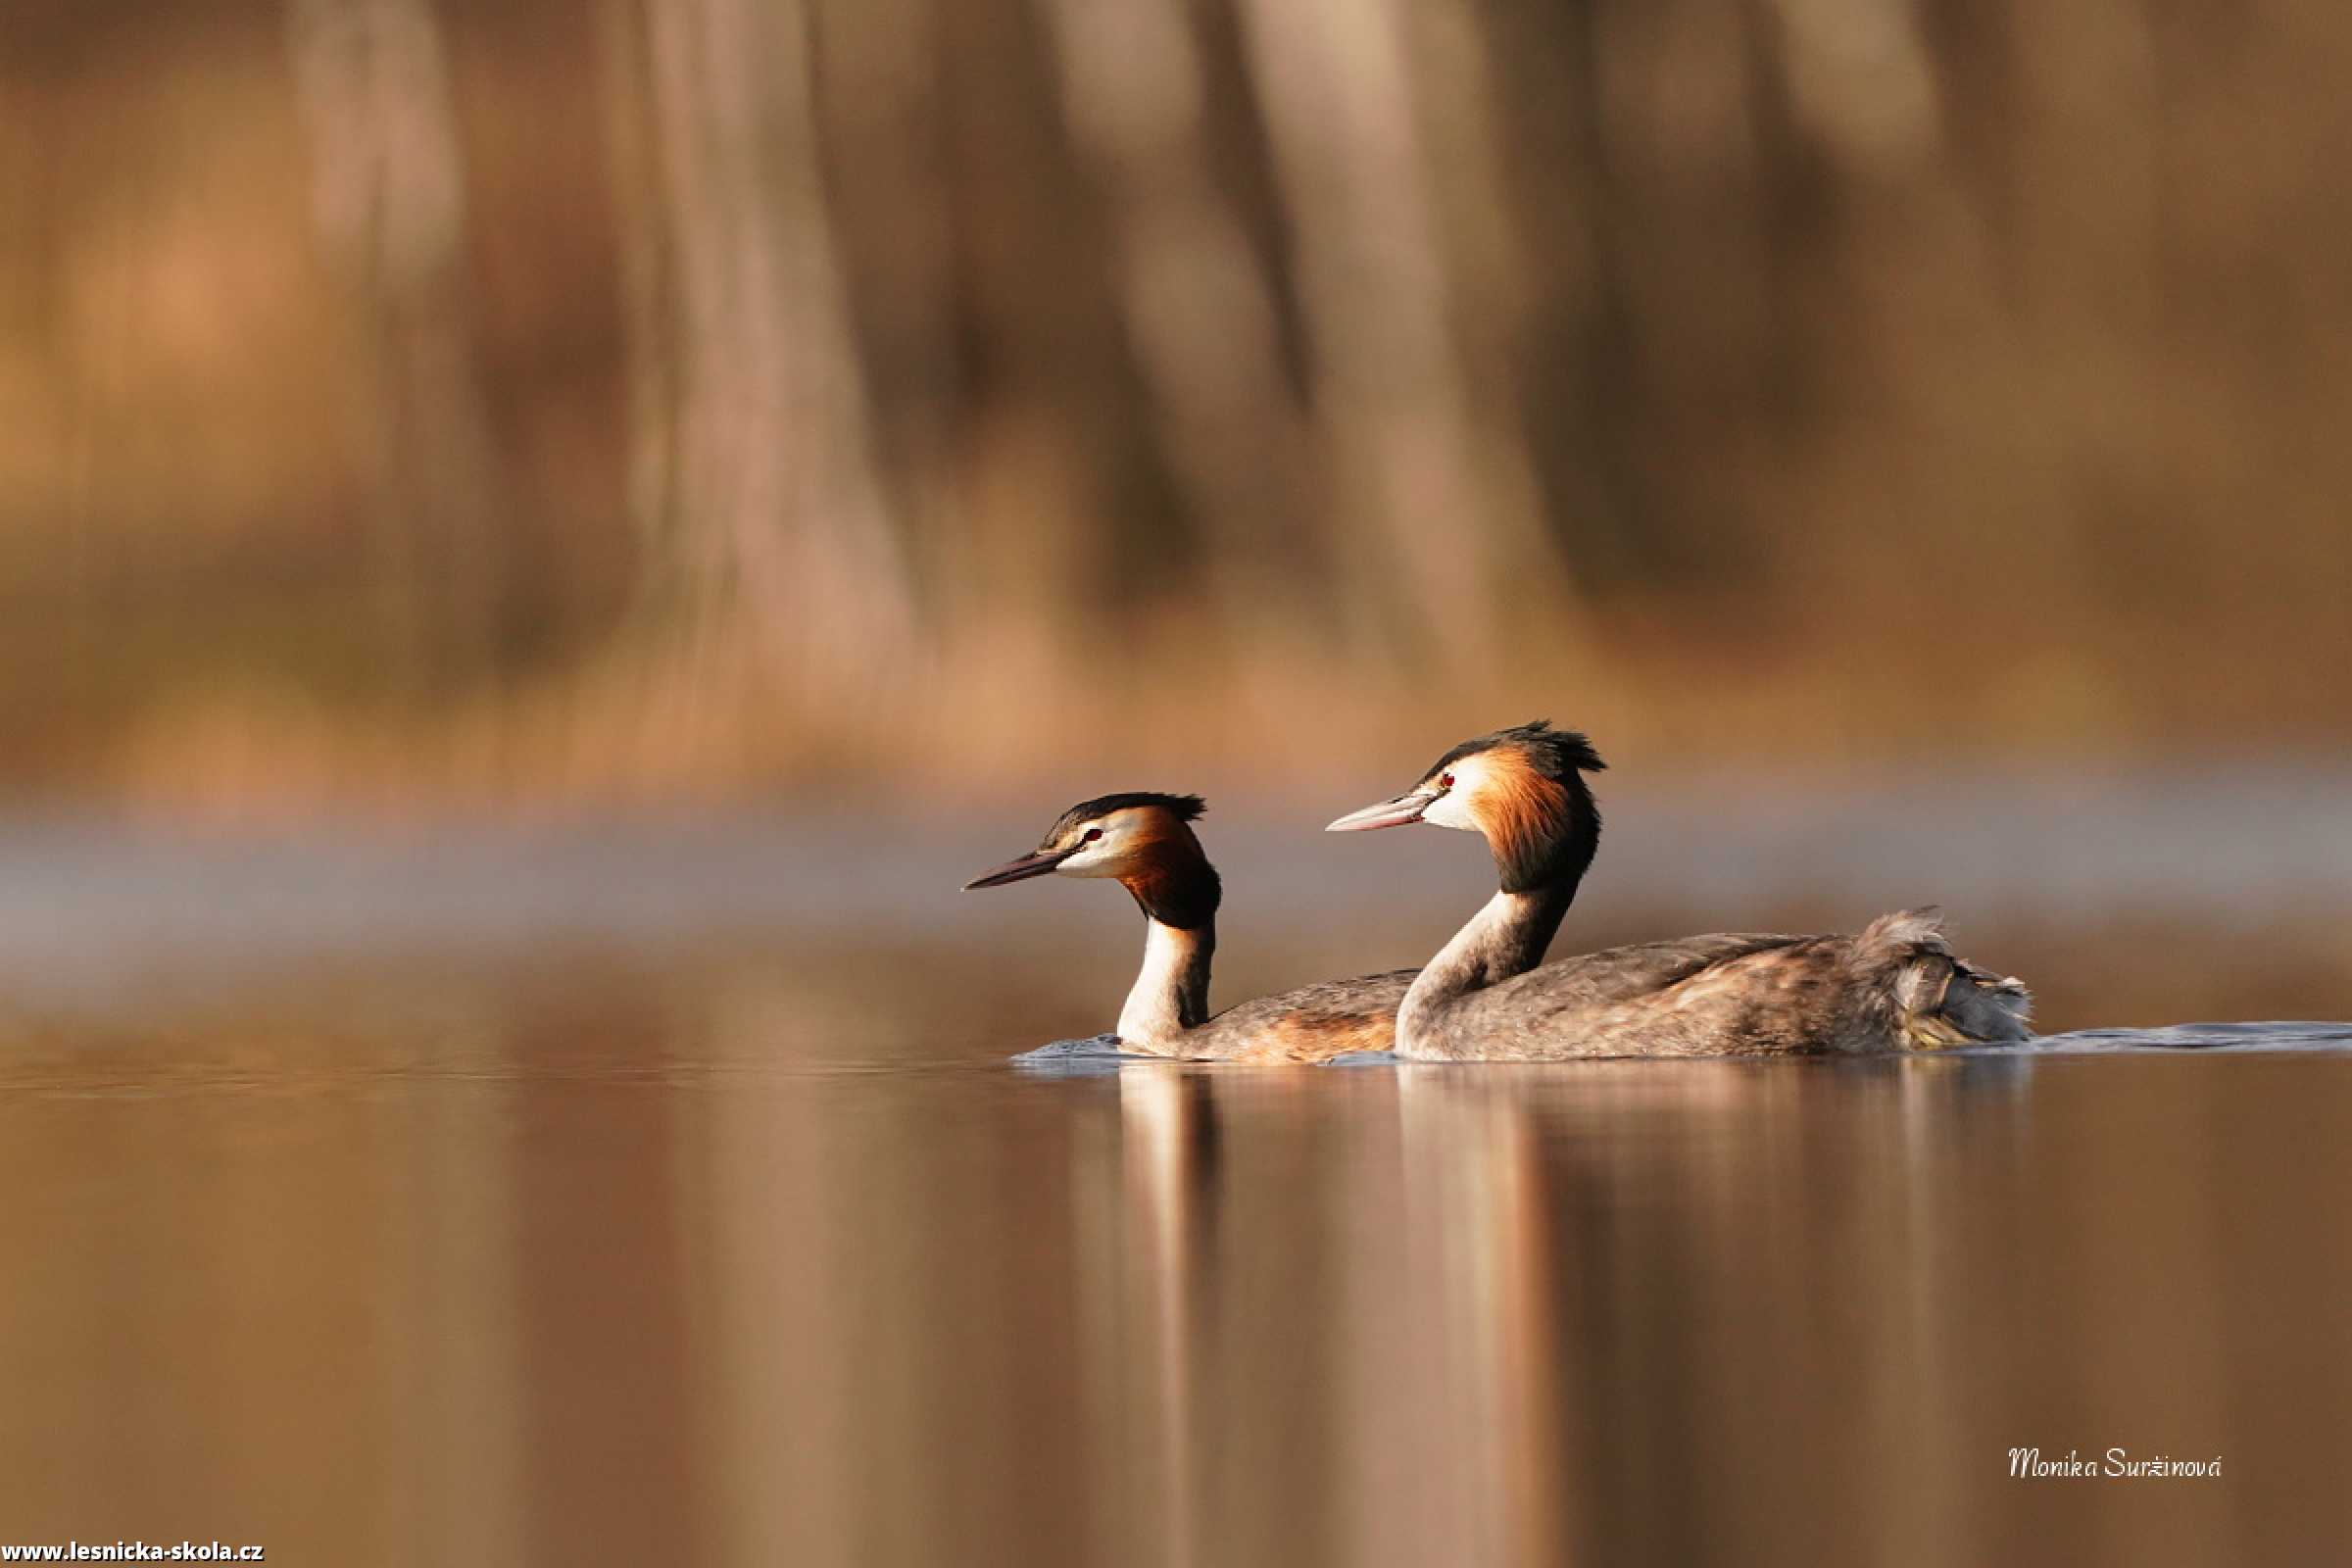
(1092, 834)
(1446, 781)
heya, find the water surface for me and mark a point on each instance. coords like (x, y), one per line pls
(586, 1262)
(669, 1198)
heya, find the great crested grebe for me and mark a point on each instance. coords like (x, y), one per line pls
(1896, 987)
(1145, 842)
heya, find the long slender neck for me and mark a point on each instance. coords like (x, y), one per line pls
(1508, 937)
(1178, 891)
(1171, 993)
(1541, 856)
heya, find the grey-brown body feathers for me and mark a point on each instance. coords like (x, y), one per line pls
(1166, 1014)
(1313, 1023)
(1896, 986)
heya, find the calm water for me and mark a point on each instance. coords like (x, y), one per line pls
(749, 1248)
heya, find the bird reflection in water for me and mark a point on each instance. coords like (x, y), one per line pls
(1485, 1316)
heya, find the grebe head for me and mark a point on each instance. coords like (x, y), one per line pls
(1143, 840)
(1523, 788)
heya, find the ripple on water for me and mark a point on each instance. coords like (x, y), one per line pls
(2284, 1035)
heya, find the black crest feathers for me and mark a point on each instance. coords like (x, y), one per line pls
(1556, 754)
(1183, 807)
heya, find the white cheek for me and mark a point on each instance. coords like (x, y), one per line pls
(1092, 861)
(1449, 811)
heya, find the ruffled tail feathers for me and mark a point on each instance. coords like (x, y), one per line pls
(1940, 1000)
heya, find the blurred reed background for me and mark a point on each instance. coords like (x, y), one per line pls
(540, 540)
(412, 406)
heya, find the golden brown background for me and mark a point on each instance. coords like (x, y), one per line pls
(540, 542)
(410, 406)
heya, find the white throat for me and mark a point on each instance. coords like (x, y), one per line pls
(1171, 993)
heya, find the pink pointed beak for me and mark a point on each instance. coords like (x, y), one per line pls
(1020, 870)
(1402, 812)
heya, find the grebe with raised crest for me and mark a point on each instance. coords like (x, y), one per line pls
(1896, 987)
(1145, 842)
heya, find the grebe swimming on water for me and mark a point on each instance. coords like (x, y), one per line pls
(1896, 987)
(1146, 842)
